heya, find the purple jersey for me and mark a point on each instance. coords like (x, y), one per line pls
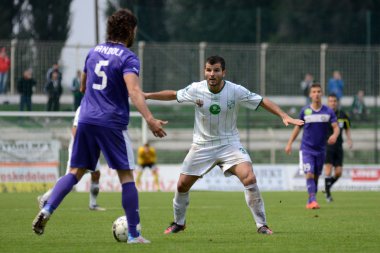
(105, 102)
(316, 128)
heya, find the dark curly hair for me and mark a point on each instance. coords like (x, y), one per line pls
(120, 27)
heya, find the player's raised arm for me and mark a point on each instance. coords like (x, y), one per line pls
(165, 95)
(293, 136)
(138, 99)
(275, 109)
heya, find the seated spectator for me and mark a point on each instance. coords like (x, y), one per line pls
(358, 108)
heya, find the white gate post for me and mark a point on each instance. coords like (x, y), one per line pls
(202, 47)
(323, 67)
(263, 52)
(144, 126)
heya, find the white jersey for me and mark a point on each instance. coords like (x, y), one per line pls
(216, 114)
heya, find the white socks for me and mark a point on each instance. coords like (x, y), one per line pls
(180, 203)
(255, 204)
(47, 195)
(94, 191)
(252, 196)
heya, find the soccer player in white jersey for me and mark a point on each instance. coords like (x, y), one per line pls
(110, 76)
(95, 175)
(216, 139)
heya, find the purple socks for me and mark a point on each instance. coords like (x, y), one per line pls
(130, 202)
(311, 189)
(129, 198)
(60, 190)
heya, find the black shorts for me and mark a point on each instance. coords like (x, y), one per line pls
(334, 156)
(149, 165)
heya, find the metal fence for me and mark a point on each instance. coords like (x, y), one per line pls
(268, 69)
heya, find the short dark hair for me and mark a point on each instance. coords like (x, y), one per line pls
(333, 95)
(120, 27)
(216, 59)
(316, 85)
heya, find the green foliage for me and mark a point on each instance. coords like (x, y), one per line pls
(216, 222)
(151, 20)
(51, 19)
(9, 10)
(51, 22)
(247, 21)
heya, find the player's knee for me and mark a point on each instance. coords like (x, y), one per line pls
(78, 173)
(95, 176)
(182, 187)
(249, 180)
(309, 176)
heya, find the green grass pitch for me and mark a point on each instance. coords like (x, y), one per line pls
(216, 222)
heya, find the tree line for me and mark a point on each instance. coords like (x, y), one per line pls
(226, 21)
(254, 21)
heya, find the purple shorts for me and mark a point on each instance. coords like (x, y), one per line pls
(312, 162)
(115, 145)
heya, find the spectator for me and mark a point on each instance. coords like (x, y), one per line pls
(335, 85)
(54, 68)
(305, 86)
(25, 87)
(75, 88)
(358, 108)
(5, 63)
(54, 91)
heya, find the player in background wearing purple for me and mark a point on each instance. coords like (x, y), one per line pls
(318, 118)
(111, 74)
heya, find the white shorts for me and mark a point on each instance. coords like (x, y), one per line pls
(200, 160)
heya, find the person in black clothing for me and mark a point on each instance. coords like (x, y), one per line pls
(25, 88)
(334, 153)
(49, 73)
(75, 88)
(54, 90)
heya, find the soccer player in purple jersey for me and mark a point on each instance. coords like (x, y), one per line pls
(318, 118)
(110, 75)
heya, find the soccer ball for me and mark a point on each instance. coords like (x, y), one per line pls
(120, 229)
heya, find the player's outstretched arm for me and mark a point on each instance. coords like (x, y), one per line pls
(293, 136)
(137, 96)
(164, 95)
(275, 109)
